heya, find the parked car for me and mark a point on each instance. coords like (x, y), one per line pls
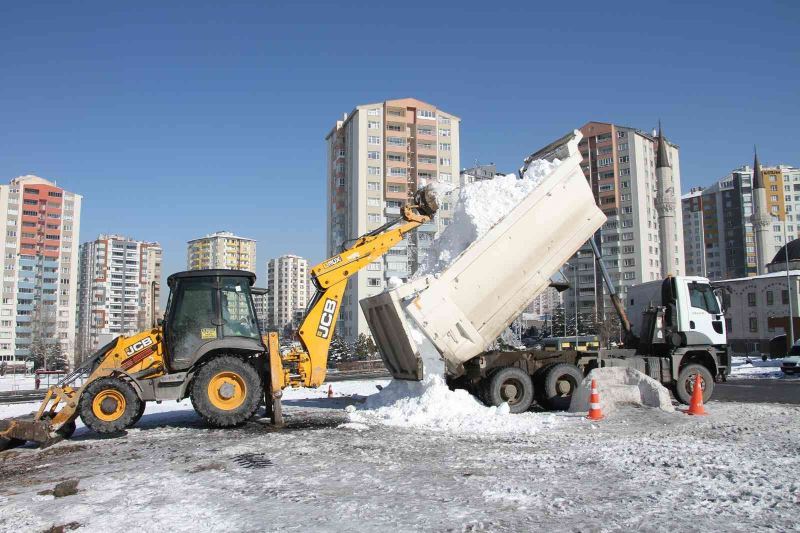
(791, 363)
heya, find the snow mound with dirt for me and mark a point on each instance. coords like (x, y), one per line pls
(621, 386)
(431, 405)
(479, 206)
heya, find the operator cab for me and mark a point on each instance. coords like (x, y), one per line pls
(209, 310)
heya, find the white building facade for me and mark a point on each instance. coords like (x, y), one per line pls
(221, 249)
(288, 291)
(119, 289)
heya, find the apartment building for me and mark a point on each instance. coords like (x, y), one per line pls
(40, 268)
(378, 156)
(634, 192)
(221, 249)
(118, 289)
(288, 291)
(719, 236)
(478, 173)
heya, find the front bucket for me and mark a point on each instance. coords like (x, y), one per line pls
(15, 431)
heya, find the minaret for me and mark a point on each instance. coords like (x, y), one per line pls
(761, 219)
(665, 206)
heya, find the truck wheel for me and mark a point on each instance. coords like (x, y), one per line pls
(560, 381)
(512, 385)
(109, 405)
(685, 384)
(226, 391)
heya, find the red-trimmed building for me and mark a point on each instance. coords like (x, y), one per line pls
(40, 267)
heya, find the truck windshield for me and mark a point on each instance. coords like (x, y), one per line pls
(703, 297)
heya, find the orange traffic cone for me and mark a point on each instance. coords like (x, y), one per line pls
(696, 405)
(595, 413)
(330, 391)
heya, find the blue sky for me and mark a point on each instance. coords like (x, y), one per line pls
(176, 119)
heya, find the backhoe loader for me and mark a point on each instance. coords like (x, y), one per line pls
(209, 348)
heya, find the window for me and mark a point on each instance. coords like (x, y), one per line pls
(444, 132)
(753, 324)
(446, 177)
(426, 130)
(373, 139)
(424, 113)
(629, 275)
(770, 298)
(374, 112)
(702, 297)
(624, 158)
(394, 127)
(751, 299)
(373, 125)
(373, 202)
(373, 282)
(397, 171)
(374, 171)
(445, 161)
(373, 218)
(624, 172)
(373, 186)
(445, 147)
(627, 236)
(392, 187)
(395, 157)
(785, 297)
(605, 161)
(373, 155)
(396, 141)
(607, 187)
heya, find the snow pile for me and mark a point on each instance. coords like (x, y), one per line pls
(431, 405)
(620, 386)
(754, 367)
(479, 206)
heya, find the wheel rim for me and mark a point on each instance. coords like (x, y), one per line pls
(109, 405)
(689, 383)
(227, 391)
(511, 391)
(565, 386)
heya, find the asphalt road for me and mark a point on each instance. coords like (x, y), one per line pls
(758, 391)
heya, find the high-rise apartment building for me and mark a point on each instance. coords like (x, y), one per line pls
(222, 249)
(719, 228)
(378, 156)
(118, 289)
(288, 291)
(40, 269)
(620, 164)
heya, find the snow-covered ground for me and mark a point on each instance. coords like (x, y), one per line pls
(756, 368)
(640, 469)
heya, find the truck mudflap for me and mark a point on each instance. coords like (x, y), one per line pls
(457, 314)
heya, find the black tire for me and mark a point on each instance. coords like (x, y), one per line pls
(538, 382)
(111, 416)
(685, 383)
(512, 385)
(558, 384)
(221, 411)
(138, 414)
(66, 430)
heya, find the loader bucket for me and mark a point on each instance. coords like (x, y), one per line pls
(426, 201)
(15, 432)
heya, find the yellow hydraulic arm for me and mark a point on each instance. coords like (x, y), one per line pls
(330, 279)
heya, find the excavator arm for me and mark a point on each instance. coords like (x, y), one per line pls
(330, 277)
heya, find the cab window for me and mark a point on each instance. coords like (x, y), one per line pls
(702, 297)
(238, 315)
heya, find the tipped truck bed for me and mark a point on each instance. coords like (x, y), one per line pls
(459, 313)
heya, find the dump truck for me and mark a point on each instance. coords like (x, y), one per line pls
(209, 348)
(448, 322)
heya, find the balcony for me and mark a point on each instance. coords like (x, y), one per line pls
(24, 329)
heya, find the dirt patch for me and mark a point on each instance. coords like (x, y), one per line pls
(65, 488)
(206, 467)
(71, 526)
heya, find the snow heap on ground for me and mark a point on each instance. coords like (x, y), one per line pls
(431, 405)
(479, 206)
(621, 386)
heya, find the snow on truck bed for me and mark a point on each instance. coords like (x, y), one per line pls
(640, 469)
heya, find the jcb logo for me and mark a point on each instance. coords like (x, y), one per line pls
(328, 312)
(331, 262)
(141, 345)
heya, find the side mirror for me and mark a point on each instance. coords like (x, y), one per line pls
(160, 322)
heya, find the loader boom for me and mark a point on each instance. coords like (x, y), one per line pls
(330, 279)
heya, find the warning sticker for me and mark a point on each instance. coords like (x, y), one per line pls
(208, 333)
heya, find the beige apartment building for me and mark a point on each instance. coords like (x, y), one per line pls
(40, 269)
(620, 164)
(118, 289)
(221, 249)
(378, 156)
(288, 291)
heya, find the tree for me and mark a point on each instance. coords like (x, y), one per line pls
(557, 322)
(339, 351)
(364, 348)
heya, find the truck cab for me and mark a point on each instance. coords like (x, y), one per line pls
(693, 314)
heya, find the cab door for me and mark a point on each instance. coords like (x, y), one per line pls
(706, 323)
(193, 320)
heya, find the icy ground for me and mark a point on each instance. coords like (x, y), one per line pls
(756, 368)
(640, 469)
